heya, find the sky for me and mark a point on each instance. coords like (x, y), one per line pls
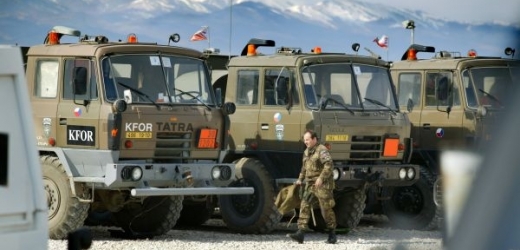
(25, 22)
(466, 11)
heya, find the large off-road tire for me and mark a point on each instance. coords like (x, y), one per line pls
(156, 215)
(413, 207)
(194, 214)
(348, 210)
(255, 213)
(349, 207)
(66, 213)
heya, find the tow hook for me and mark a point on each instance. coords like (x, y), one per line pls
(369, 177)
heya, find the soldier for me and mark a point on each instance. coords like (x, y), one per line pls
(317, 171)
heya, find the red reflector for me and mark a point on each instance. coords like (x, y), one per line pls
(390, 147)
(52, 141)
(400, 147)
(207, 138)
(129, 144)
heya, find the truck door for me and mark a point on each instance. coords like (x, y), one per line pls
(439, 126)
(79, 105)
(245, 94)
(279, 121)
(409, 94)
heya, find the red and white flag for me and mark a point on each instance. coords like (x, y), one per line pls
(200, 35)
(382, 42)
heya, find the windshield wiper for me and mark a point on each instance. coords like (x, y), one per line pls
(140, 93)
(325, 100)
(194, 97)
(492, 97)
(380, 104)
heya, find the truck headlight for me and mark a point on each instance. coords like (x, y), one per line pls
(131, 173)
(137, 173)
(410, 173)
(335, 174)
(222, 173)
(402, 173)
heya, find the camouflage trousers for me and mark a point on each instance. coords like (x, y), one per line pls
(326, 201)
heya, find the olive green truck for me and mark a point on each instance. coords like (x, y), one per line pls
(125, 132)
(453, 101)
(349, 100)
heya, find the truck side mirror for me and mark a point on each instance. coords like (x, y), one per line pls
(229, 108)
(80, 81)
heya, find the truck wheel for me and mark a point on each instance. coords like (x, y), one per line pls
(255, 213)
(412, 207)
(194, 214)
(348, 210)
(66, 213)
(156, 215)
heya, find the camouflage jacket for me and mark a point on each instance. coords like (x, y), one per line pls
(316, 163)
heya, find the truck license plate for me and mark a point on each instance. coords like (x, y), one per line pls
(336, 138)
(138, 135)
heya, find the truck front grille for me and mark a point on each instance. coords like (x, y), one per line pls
(366, 147)
(173, 145)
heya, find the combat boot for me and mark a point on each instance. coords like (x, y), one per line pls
(298, 236)
(332, 237)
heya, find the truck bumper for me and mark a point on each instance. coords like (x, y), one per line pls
(190, 191)
(381, 175)
(135, 176)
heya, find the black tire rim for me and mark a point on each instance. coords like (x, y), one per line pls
(408, 200)
(245, 205)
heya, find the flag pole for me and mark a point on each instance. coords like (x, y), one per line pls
(230, 26)
(387, 47)
(209, 37)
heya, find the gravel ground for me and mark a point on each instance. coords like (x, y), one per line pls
(371, 234)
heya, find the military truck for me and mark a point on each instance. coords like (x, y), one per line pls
(452, 101)
(125, 130)
(347, 99)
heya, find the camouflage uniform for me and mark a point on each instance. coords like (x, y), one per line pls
(317, 163)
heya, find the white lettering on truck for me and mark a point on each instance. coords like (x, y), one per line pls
(81, 135)
(141, 127)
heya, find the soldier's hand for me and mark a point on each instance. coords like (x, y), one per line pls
(298, 182)
(318, 182)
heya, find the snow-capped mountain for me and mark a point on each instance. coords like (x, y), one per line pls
(332, 24)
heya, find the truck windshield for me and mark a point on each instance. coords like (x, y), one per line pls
(489, 86)
(157, 78)
(348, 86)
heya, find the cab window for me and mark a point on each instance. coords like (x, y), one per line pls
(46, 85)
(74, 70)
(409, 85)
(247, 87)
(277, 84)
(440, 90)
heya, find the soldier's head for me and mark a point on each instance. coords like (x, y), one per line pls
(310, 138)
